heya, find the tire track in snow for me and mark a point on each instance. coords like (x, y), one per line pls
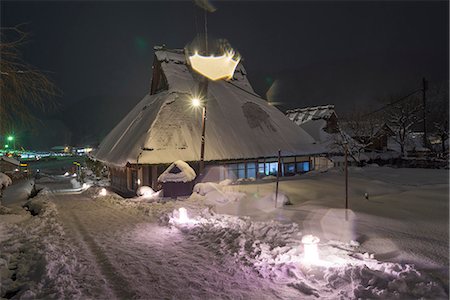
(117, 283)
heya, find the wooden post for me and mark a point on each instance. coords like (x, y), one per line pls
(154, 176)
(278, 177)
(203, 87)
(346, 180)
(202, 148)
(424, 100)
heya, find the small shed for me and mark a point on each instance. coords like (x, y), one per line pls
(177, 179)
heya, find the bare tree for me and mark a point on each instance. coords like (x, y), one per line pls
(402, 117)
(22, 85)
(342, 140)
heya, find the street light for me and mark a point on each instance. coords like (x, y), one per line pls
(212, 68)
(195, 102)
(11, 138)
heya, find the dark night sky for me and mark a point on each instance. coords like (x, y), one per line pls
(343, 53)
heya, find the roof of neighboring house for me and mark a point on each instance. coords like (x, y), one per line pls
(164, 127)
(366, 129)
(302, 115)
(10, 160)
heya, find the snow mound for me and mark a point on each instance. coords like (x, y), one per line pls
(178, 171)
(5, 181)
(215, 193)
(226, 182)
(267, 203)
(276, 252)
(145, 191)
(75, 183)
(204, 188)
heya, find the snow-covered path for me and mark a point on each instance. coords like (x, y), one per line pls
(123, 255)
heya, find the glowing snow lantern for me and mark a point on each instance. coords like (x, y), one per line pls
(103, 192)
(311, 253)
(215, 67)
(182, 215)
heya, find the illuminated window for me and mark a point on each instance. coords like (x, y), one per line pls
(251, 170)
(303, 167)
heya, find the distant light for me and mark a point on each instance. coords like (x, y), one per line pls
(196, 102)
(6, 146)
(10, 138)
(310, 251)
(102, 192)
(215, 67)
(139, 181)
(66, 174)
(16, 170)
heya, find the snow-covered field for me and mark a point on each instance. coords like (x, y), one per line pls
(236, 244)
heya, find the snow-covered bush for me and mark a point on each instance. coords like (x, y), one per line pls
(5, 181)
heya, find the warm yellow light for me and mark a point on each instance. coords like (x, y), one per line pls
(196, 102)
(215, 67)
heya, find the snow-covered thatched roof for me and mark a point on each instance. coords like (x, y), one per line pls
(164, 127)
(302, 115)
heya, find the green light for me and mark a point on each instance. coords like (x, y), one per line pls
(10, 138)
(6, 146)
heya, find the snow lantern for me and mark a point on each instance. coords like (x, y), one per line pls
(177, 179)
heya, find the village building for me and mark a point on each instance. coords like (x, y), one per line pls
(320, 122)
(243, 132)
(9, 165)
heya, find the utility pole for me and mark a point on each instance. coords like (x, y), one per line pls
(346, 179)
(424, 99)
(204, 94)
(278, 177)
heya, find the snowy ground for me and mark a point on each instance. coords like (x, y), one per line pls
(404, 219)
(82, 246)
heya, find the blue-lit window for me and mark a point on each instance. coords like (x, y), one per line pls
(261, 169)
(290, 169)
(251, 170)
(272, 168)
(303, 166)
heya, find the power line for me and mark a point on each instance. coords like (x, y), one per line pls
(392, 103)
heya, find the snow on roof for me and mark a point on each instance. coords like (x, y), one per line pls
(10, 160)
(164, 127)
(302, 115)
(178, 171)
